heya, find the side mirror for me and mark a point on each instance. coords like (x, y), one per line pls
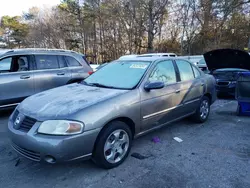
(154, 85)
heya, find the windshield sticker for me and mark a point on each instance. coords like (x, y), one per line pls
(138, 66)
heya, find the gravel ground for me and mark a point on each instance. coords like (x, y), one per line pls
(213, 154)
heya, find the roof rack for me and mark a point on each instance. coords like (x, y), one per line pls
(40, 49)
(9, 51)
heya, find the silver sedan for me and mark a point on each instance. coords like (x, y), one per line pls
(99, 117)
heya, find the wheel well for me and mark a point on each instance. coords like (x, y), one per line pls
(129, 122)
(209, 96)
(126, 120)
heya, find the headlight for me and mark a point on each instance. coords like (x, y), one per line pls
(61, 127)
(234, 82)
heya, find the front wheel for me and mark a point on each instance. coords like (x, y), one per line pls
(113, 145)
(203, 110)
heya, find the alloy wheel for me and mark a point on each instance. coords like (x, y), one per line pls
(204, 109)
(116, 146)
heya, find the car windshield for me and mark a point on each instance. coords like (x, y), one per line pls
(119, 74)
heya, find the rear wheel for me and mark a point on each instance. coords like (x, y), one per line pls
(203, 110)
(113, 145)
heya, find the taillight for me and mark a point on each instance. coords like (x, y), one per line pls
(91, 72)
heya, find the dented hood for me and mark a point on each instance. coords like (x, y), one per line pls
(227, 58)
(65, 101)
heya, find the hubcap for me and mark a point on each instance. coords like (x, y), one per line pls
(116, 146)
(204, 109)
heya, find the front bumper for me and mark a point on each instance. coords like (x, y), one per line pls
(226, 89)
(52, 149)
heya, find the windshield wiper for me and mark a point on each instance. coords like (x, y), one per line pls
(100, 85)
(103, 86)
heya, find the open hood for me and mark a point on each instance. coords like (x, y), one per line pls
(227, 58)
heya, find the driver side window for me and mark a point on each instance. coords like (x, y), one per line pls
(14, 64)
(5, 64)
(164, 72)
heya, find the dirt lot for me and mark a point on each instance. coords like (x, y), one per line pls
(214, 154)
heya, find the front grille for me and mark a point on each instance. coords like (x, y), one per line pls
(27, 124)
(32, 155)
(222, 83)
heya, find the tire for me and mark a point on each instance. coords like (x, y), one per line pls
(199, 116)
(117, 148)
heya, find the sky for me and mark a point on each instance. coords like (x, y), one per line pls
(17, 7)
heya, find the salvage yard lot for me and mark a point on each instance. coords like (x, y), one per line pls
(213, 154)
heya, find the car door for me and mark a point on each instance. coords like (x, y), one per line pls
(158, 106)
(16, 79)
(50, 72)
(191, 86)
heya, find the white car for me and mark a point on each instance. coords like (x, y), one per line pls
(193, 58)
(158, 55)
(94, 66)
(127, 56)
(3, 44)
(148, 55)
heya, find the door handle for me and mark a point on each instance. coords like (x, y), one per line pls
(25, 77)
(60, 73)
(202, 84)
(177, 91)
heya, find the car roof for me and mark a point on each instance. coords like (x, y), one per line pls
(3, 51)
(144, 55)
(151, 59)
(128, 56)
(157, 54)
(37, 50)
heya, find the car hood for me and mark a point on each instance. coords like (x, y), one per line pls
(65, 101)
(227, 58)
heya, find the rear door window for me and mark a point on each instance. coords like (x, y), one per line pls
(72, 62)
(185, 69)
(62, 61)
(46, 62)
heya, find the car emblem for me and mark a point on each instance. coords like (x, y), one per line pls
(18, 121)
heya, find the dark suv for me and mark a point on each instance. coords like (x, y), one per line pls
(24, 72)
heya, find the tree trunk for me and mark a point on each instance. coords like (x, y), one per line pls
(150, 26)
(207, 6)
(95, 42)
